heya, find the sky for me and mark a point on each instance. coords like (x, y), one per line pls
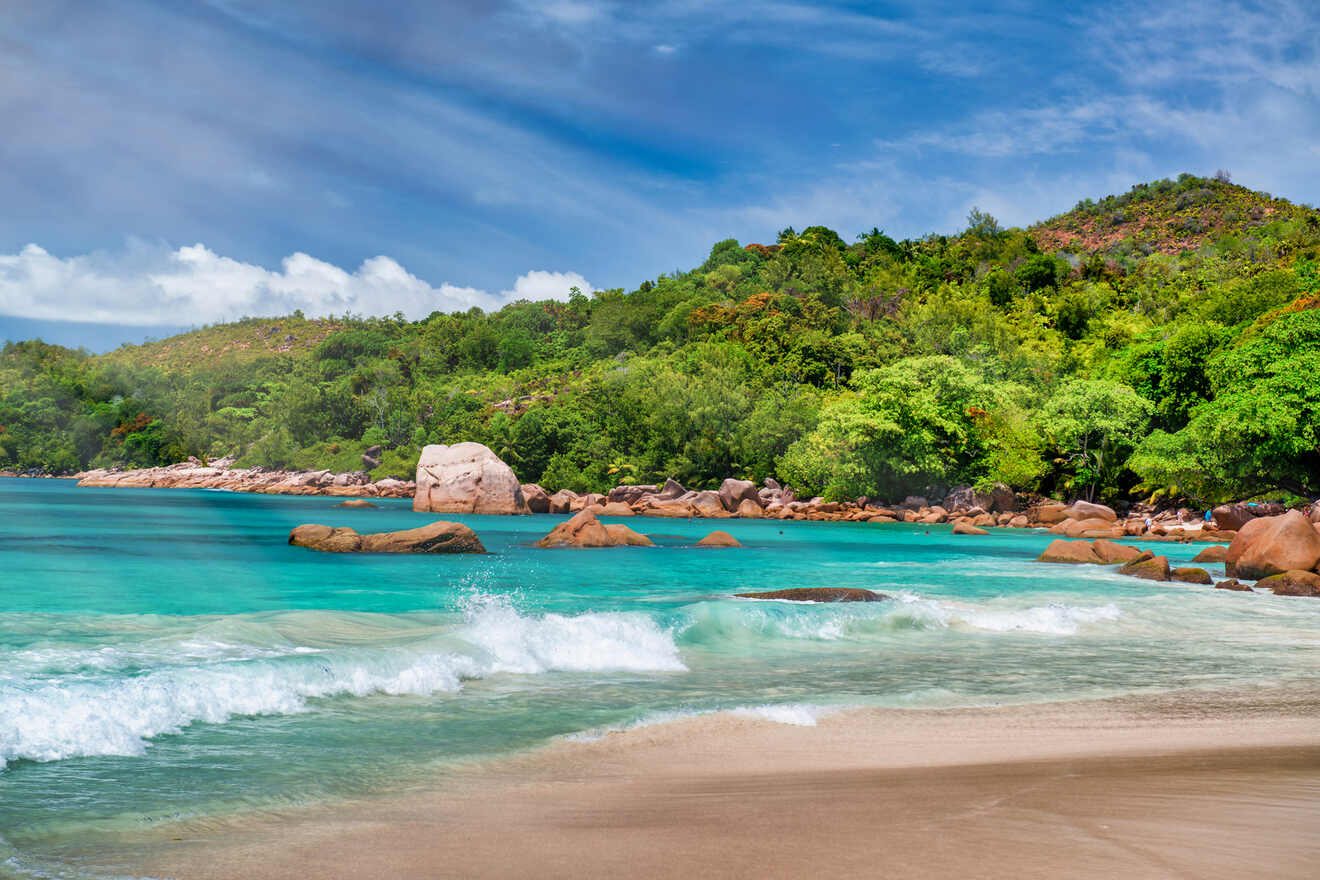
(167, 164)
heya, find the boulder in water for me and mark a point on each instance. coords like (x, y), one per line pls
(1154, 569)
(1069, 552)
(438, 537)
(1271, 545)
(1217, 553)
(718, 538)
(355, 502)
(1292, 583)
(819, 594)
(1111, 553)
(1191, 575)
(1233, 584)
(466, 478)
(585, 530)
(965, 528)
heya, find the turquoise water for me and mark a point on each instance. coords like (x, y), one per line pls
(166, 655)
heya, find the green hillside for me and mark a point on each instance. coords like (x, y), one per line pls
(239, 342)
(1159, 343)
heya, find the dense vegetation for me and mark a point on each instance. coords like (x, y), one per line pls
(1181, 360)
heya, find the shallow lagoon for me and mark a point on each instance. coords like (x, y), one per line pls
(164, 654)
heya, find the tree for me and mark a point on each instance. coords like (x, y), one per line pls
(1094, 424)
(907, 426)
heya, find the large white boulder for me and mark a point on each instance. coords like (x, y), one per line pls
(466, 478)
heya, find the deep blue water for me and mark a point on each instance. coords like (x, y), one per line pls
(165, 654)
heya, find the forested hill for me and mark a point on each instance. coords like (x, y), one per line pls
(1165, 342)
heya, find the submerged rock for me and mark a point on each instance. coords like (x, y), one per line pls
(1233, 584)
(438, 537)
(819, 594)
(719, 539)
(355, 502)
(466, 478)
(963, 528)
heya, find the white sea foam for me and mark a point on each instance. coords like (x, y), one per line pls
(92, 710)
(1052, 619)
(585, 642)
(796, 714)
(723, 623)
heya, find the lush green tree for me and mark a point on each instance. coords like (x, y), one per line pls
(1094, 424)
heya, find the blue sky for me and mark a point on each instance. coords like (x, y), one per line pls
(164, 164)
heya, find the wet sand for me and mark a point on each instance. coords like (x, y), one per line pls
(1190, 785)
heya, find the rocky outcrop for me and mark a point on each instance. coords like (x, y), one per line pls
(192, 474)
(538, 500)
(585, 530)
(1272, 545)
(1154, 569)
(616, 508)
(733, 492)
(1292, 583)
(466, 478)
(630, 494)
(749, 509)
(672, 489)
(562, 501)
(719, 539)
(819, 594)
(1085, 510)
(438, 537)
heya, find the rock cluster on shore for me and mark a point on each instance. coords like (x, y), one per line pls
(1280, 552)
(192, 474)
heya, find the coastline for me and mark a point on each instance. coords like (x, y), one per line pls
(1205, 784)
(1075, 521)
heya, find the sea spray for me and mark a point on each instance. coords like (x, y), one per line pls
(95, 702)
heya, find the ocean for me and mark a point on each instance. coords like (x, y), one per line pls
(165, 656)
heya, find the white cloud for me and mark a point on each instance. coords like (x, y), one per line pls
(539, 284)
(154, 285)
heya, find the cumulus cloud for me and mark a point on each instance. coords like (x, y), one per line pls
(153, 285)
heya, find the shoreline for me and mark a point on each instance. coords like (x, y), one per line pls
(1044, 514)
(1190, 783)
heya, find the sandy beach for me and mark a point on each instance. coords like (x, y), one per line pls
(1185, 785)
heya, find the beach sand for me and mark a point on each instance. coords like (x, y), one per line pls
(1185, 785)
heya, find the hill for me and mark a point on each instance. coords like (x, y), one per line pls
(1163, 343)
(237, 342)
(1164, 216)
